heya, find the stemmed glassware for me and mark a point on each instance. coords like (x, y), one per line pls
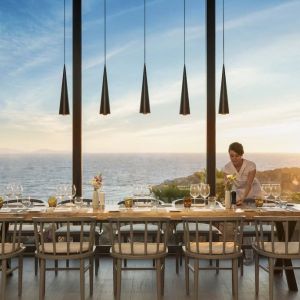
(276, 192)
(194, 191)
(70, 191)
(266, 187)
(18, 192)
(204, 191)
(26, 201)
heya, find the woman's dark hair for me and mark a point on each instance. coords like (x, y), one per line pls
(237, 148)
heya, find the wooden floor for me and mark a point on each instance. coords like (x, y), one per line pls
(141, 285)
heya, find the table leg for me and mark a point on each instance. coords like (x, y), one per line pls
(290, 275)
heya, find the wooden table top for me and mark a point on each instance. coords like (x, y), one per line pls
(173, 213)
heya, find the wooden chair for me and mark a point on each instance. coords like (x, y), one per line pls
(283, 249)
(66, 250)
(75, 233)
(179, 233)
(11, 247)
(27, 229)
(138, 249)
(228, 247)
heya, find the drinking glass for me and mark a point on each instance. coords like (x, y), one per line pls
(8, 191)
(59, 192)
(78, 201)
(276, 192)
(18, 192)
(26, 201)
(194, 191)
(266, 187)
(212, 202)
(204, 191)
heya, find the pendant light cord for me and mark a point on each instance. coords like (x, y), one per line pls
(64, 31)
(105, 32)
(144, 31)
(184, 32)
(223, 32)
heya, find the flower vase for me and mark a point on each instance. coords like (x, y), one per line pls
(95, 200)
(227, 199)
(102, 199)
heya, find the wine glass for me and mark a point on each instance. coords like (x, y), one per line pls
(276, 192)
(194, 191)
(266, 187)
(26, 201)
(18, 192)
(59, 192)
(204, 191)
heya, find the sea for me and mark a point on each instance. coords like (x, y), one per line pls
(41, 173)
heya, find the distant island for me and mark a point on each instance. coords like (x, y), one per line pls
(289, 178)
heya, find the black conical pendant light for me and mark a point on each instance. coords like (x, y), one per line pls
(104, 106)
(184, 103)
(145, 104)
(223, 104)
(64, 99)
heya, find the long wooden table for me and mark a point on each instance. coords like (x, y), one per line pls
(104, 215)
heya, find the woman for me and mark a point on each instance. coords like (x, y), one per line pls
(245, 184)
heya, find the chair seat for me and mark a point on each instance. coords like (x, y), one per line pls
(217, 247)
(139, 248)
(151, 228)
(250, 229)
(202, 227)
(75, 229)
(279, 247)
(61, 247)
(8, 248)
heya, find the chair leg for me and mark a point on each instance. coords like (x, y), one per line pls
(3, 283)
(235, 278)
(177, 260)
(163, 276)
(42, 279)
(82, 277)
(187, 275)
(97, 263)
(217, 266)
(36, 266)
(67, 263)
(115, 275)
(256, 258)
(56, 267)
(196, 278)
(242, 264)
(271, 277)
(118, 273)
(91, 270)
(20, 275)
(180, 256)
(158, 278)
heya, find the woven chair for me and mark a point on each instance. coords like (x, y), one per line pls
(228, 247)
(179, 233)
(139, 228)
(66, 250)
(275, 249)
(138, 249)
(11, 247)
(27, 229)
(75, 234)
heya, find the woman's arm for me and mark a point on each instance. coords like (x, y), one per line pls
(250, 179)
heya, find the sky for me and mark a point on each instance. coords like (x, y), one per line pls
(262, 60)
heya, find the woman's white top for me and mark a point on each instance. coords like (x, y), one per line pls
(242, 178)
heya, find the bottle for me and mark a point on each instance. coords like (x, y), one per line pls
(233, 199)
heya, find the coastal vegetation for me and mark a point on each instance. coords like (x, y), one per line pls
(289, 178)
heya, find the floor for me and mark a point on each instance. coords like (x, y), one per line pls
(137, 285)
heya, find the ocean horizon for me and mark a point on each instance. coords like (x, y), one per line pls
(40, 173)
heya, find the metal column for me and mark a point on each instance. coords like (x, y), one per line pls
(211, 94)
(77, 83)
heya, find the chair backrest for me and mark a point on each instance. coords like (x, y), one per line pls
(87, 201)
(142, 200)
(131, 236)
(231, 229)
(282, 228)
(13, 201)
(84, 244)
(10, 242)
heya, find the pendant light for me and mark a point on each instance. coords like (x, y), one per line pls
(145, 105)
(184, 104)
(104, 106)
(223, 104)
(64, 99)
